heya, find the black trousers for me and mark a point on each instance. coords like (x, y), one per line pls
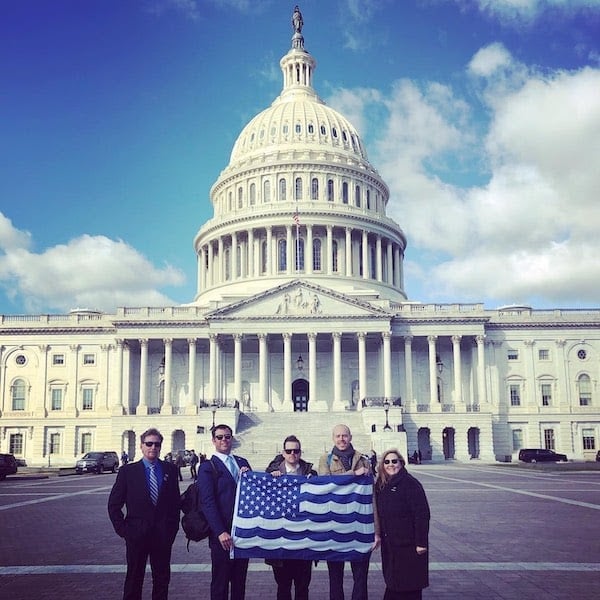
(294, 571)
(137, 552)
(360, 573)
(226, 574)
(411, 595)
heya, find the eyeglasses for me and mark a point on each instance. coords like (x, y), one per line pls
(292, 450)
(221, 436)
(394, 461)
(155, 444)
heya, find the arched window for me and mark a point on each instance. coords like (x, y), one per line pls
(357, 196)
(314, 189)
(267, 191)
(230, 202)
(282, 190)
(282, 255)
(368, 199)
(345, 192)
(334, 256)
(252, 194)
(240, 197)
(330, 190)
(316, 254)
(298, 188)
(585, 390)
(300, 255)
(18, 393)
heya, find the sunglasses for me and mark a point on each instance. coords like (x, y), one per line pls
(394, 461)
(155, 444)
(292, 450)
(221, 436)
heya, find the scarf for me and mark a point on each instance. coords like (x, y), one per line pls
(345, 456)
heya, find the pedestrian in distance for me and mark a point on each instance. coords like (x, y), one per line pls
(179, 463)
(403, 515)
(149, 491)
(194, 460)
(217, 484)
(345, 460)
(291, 571)
(124, 458)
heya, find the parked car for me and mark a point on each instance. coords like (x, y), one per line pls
(8, 465)
(598, 456)
(532, 455)
(96, 462)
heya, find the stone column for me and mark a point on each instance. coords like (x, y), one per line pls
(262, 372)
(329, 256)
(210, 275)
(287, 372)
(387, 364)
(338, 404)
(390, 263)
(433, 395)
(212, 367)
(308, 251)
(290, 253)
(362, 368)
(458, 397)
(167, 407)
(481, 392)
(348, 252)
(118, 405)
(316, 403)
(191, 406)
(270, 250)
(237, 368)
(142, 407)
(398, 276)
(221, 261)
(365, 255)
(379, 259)
(251, 258)
(233, 261)
(408, 368)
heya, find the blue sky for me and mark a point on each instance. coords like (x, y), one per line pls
(483, 116)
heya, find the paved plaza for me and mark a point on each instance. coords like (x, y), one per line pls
(497, 531)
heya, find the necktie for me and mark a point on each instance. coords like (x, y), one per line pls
(153, 482)
(232, 466)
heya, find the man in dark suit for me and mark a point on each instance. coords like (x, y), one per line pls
(217, 481)
(149, 490)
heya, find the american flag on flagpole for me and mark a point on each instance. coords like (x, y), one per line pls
(296, 218)
(329, 517)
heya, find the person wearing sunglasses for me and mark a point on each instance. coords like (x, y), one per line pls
(345, 460)
(296, 571)
(217, 484)
(149, 491)
(403, 515)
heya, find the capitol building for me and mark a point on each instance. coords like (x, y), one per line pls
(301, 320)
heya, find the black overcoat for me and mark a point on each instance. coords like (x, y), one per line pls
(403, 513)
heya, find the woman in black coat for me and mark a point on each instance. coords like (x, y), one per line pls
(403, 514)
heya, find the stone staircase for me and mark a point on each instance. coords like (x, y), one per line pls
(260, 436)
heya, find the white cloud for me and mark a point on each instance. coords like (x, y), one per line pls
(528, 10)
(89, 271)
(530, 231)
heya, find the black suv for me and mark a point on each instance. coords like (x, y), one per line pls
(532, 455)
(96, 462)
(8, 465)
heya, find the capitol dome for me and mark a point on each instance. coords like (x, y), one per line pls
(299, 199)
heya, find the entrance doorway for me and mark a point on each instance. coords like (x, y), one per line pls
(300, 395)
(473, 441)
(448, 437)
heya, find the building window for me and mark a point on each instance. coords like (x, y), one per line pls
(54, 446)
(368, 200)
(311, 128)
(58, 359)
(298, 128)
(238, 261)
(300, 255)
(18, 392)
(581, 354)
(252, 194)
(282, 255)
(298, 188)
(517, 439)
(240, 198)
(549, 442)
(267, 191)
(546, 390)
(87, 402)
(544, 354)
(230, 201)
(86, 442)
(515, 394)
(357, 196)
(330, 190)
(263, 257)
(373, 262)
(323, 130)
(314, 189)
(513, 354)
(20, 360)
(334, 256)
(15, 444)
(282, 190)
(588, 439)
(316, 255)
(89, 359)
(585, 390)
(345, 193)
(56, 399)
(227, 264)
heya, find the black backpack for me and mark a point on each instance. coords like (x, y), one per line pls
(194, 523)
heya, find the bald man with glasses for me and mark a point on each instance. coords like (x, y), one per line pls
(286, 572)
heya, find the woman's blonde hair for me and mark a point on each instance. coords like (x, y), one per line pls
(382, 476)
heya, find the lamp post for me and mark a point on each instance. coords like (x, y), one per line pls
(214, 412)
(386, 407)
(439, 364)
(300, 363)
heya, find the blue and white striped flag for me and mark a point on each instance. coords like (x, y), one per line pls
(329, 517)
